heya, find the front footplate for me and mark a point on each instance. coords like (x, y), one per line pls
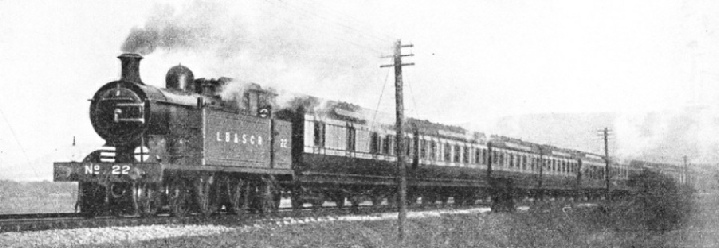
(103, 172)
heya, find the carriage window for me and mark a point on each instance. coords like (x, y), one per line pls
(408, 144)
(484, 156)
(468, 151)
(351, 138)
(501, 159)
(465, 155)
(375, 143)
(423, 149)
(387, 145)
(309, 137)
(495, 158)
(457, 153)
(524, 162)
(477, 155)
(433, 150)
(518, 161)
(393, 145)
(363, 141)
(511, 160)
(335, 137)
(447, 150)
(533, 164)
(319, 134)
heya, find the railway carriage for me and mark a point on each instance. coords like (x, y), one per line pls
(593, 168)
(619, 176)
(345, 154)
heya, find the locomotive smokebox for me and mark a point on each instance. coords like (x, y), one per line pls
(130, 67)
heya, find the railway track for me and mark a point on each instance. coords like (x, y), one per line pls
(47, 221)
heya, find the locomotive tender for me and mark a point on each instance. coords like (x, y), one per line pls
(200, 145)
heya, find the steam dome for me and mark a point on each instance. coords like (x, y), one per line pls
(180, 77)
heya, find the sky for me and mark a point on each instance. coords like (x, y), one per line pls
(652, 64)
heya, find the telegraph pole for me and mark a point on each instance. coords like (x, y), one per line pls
(402, 170)
(605, 132)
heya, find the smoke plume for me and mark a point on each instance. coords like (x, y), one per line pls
(171, 31)
(270, 43)
(667, 136)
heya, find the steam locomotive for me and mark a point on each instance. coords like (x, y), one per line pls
(202, 146)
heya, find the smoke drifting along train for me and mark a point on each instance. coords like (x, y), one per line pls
(184, 149)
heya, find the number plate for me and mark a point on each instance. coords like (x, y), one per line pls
(104, 169)
(116, 172)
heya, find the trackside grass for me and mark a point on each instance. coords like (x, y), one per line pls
(539, 227)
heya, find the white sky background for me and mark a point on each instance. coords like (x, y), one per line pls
(476, 61)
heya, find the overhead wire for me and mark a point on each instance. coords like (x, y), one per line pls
(290, 8)
(376, 109)
(307, 13)
(315, 9)
(366, 37)
(349, 17)
(14, 135)
(409, 85)
(414, 102)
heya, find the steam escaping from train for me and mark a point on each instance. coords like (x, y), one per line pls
(669, 135)
(169, 31)
(267, 43)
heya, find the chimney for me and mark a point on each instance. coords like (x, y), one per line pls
(130, 67)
